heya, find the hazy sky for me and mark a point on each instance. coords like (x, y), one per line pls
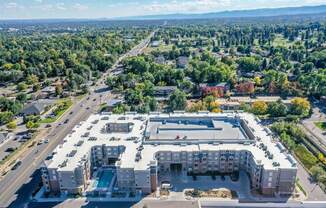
(29, 9)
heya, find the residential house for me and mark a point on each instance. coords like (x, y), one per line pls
(163, 92)
(34, 109)
(155, 43)
(182, 62)
(112, 103)
(159, 60)
(218, 90)
(245, 88)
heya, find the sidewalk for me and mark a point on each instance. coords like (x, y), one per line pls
(39, 198)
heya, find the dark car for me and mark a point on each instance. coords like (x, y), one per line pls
(66, 121)
(10, 149)
(16, 165)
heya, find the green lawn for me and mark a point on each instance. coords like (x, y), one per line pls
(305, 156)
(321, 125)
(58, 113)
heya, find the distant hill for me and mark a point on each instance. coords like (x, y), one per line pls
(238, 13)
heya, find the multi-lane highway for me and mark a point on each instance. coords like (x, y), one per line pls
(81, 110)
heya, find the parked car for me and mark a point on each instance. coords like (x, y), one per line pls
(10, 149)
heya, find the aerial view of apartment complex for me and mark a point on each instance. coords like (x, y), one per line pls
(132, 152)
(163, 104)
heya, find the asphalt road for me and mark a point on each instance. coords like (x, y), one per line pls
(80, 111)
(35, 155)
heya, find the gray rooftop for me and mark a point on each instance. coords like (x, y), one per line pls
(191, 128)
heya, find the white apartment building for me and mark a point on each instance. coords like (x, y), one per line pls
(141, 147)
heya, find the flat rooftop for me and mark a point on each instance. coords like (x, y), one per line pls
(160, 130)
(195, 128)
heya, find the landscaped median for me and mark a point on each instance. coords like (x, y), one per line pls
(211, 193)
(61, 107)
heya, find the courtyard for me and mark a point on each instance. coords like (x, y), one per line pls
(180, 182)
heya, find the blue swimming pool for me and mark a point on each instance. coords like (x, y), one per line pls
(104, 178)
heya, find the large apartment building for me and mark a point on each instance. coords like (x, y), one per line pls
(141, 147)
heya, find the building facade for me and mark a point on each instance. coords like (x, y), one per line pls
(141, 147)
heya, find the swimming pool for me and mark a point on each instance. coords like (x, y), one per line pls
(104, 178)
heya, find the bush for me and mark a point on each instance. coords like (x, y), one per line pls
(12, 125)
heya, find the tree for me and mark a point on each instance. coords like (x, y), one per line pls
(58, 89)
(257, 81)
(277, 109)
(22, 97)
(21, 86)
(6, 117)
(259, 108)
(249, 64)
(177, 100)
(300, 106)
(110, 82)
(316, 172)
(198, 106)
(12, 125)
(36, 87)
(32, 79)
(32, 125)
(84, 89)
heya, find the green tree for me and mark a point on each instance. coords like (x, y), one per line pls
(12, 125)
(317, 171)
(21, 86)
(277, 109)
(177, 100)
(300, 106)
(32, 125)
(22, 97)
(6, 117)
(249, 64)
